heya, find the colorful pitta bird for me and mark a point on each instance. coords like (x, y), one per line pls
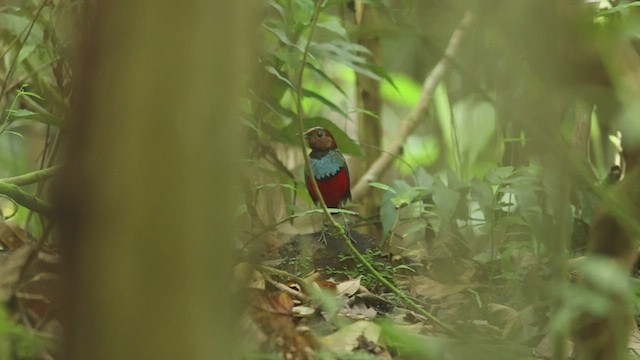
(329, 168)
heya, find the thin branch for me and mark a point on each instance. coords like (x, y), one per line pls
(32, 177)
(25, 199)
(411, 121)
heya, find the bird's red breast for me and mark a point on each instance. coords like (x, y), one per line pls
(335, 189)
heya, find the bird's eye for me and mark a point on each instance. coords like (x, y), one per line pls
(319, 134)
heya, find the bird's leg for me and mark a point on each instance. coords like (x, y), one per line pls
(346, 227)
(323, 233)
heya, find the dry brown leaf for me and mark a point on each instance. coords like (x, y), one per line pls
(634, 341)
(10, 271)
(349, 287)
(327, 285)
(359, 311)
(12, 236)
(506, 317)
(273, 313)
(346, 339)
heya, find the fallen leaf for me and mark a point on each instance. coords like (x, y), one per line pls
(346, 339)
(349, 287)
(10, 271)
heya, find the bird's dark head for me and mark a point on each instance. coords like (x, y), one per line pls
(320, 139)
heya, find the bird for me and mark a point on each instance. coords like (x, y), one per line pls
(329, 169)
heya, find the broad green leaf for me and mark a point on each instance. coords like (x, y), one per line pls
(442, 109)
(483, 194)
(403, 199)
(499, 175)
(446, 200)
(388, 213)
(423, 178)
(475, 125)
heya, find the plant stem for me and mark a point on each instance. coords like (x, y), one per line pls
(32, 177)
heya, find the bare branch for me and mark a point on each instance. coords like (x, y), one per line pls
(411, 121)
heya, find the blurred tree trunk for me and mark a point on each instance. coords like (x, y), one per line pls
(369, 99)
(145, 202)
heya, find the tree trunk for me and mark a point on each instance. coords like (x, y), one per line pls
(369, 99)
(145, 202)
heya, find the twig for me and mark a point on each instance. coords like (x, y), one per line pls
(32, 177)
(411, 121)
(25, 199)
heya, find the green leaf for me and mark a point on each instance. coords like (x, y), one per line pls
(351, 55)
(382, 186)
(446, 200)
(388, 213)
(278, 8)
(334, 26)
(271, 70)
(497, 176)
(14, 133)
(322, 99)
(326, 77)
(476, 126)
(442, 109)
(16, 25)
(619, 8)
(30, 94)
(404, 198)
(282, 36)
(382, 73)
(22, 113)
